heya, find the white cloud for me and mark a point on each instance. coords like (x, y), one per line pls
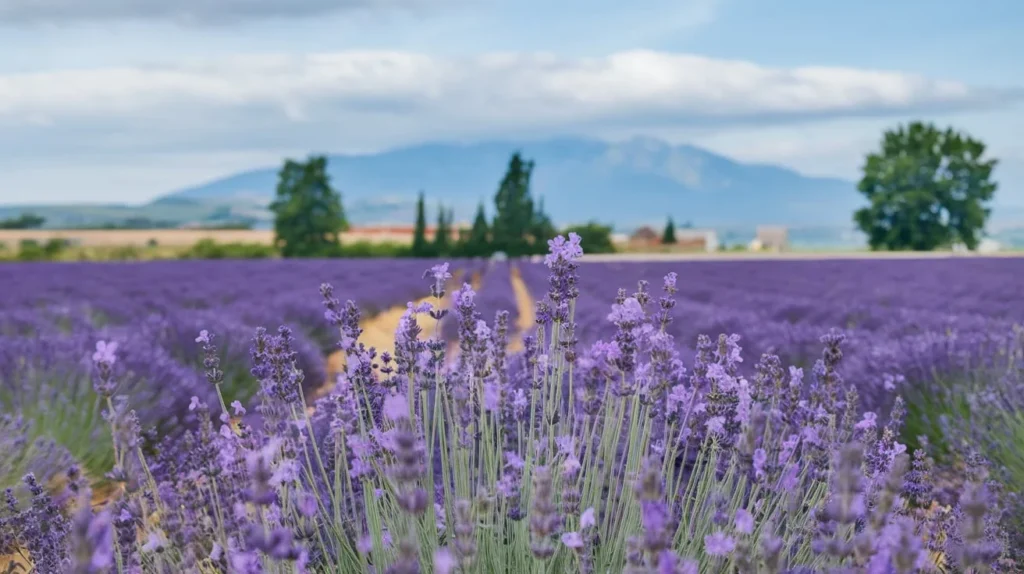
(402, 95)
(188, 11)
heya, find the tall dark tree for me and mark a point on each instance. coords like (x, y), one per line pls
(450, 221)
(669, 236)
(443, 232)
(514, 218)
(926, 188)
(477, 242)
(308, 215)
(420, 247)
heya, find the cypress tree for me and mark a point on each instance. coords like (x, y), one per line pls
(514, 217)
(478, 243)
(442, 233)
(669, 237)
(420, 248)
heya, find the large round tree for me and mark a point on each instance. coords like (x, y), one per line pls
(926, 188)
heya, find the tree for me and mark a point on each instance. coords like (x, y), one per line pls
(669, 236)
(443, 231)
(420, 248)
(541, 230)
(308, 216)
(595, 238)
(514, 217)
(23, 221)
(450, 222)
(926, 189)
(477, 242)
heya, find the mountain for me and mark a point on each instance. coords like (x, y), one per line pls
(639, 181)
(164, 212)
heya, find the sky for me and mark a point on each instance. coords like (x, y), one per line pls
(126, 100)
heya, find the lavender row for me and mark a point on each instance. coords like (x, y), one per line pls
(52, 316)
(268, 292)
(496, 293)
(887, 342)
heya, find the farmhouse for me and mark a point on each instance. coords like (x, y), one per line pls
(771, 238)
(647, 239)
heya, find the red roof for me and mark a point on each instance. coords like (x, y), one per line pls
(392, 230)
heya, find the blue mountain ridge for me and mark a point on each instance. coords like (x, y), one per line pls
(630, 183)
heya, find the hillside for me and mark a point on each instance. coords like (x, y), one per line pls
(629, 183)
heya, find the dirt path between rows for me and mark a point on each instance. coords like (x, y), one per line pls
(379, 330)
(525, 308)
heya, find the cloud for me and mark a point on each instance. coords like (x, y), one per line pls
(834, 148)
(374, 99)
(189, 11)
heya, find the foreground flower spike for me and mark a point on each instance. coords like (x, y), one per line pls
(407, 468)
(104, 359)
(211, 361)
(544, 519)
(91, 541)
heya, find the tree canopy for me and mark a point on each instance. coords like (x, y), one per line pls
(668, 237)
(420, 247)
(477, 242)
(596, 238)
(308, 215)
(443, 231)
(514, 217)
(23, 221)
(926, 188)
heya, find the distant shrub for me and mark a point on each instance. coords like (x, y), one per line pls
(125, 253)
(32, 250)
(23, 221)
(152, 242)
(373, 249)
(596, 237)
(210, 249)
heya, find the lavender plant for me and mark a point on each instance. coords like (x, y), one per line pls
(978, 409)
(58, 385)
(617, 457)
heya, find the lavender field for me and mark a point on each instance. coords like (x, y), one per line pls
(644, 417)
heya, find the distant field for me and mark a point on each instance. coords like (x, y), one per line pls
(167, 242)
(137, 237)
(163, 237)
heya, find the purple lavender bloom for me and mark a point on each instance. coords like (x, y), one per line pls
(719, 544)
(92, 541)
(565, 250)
